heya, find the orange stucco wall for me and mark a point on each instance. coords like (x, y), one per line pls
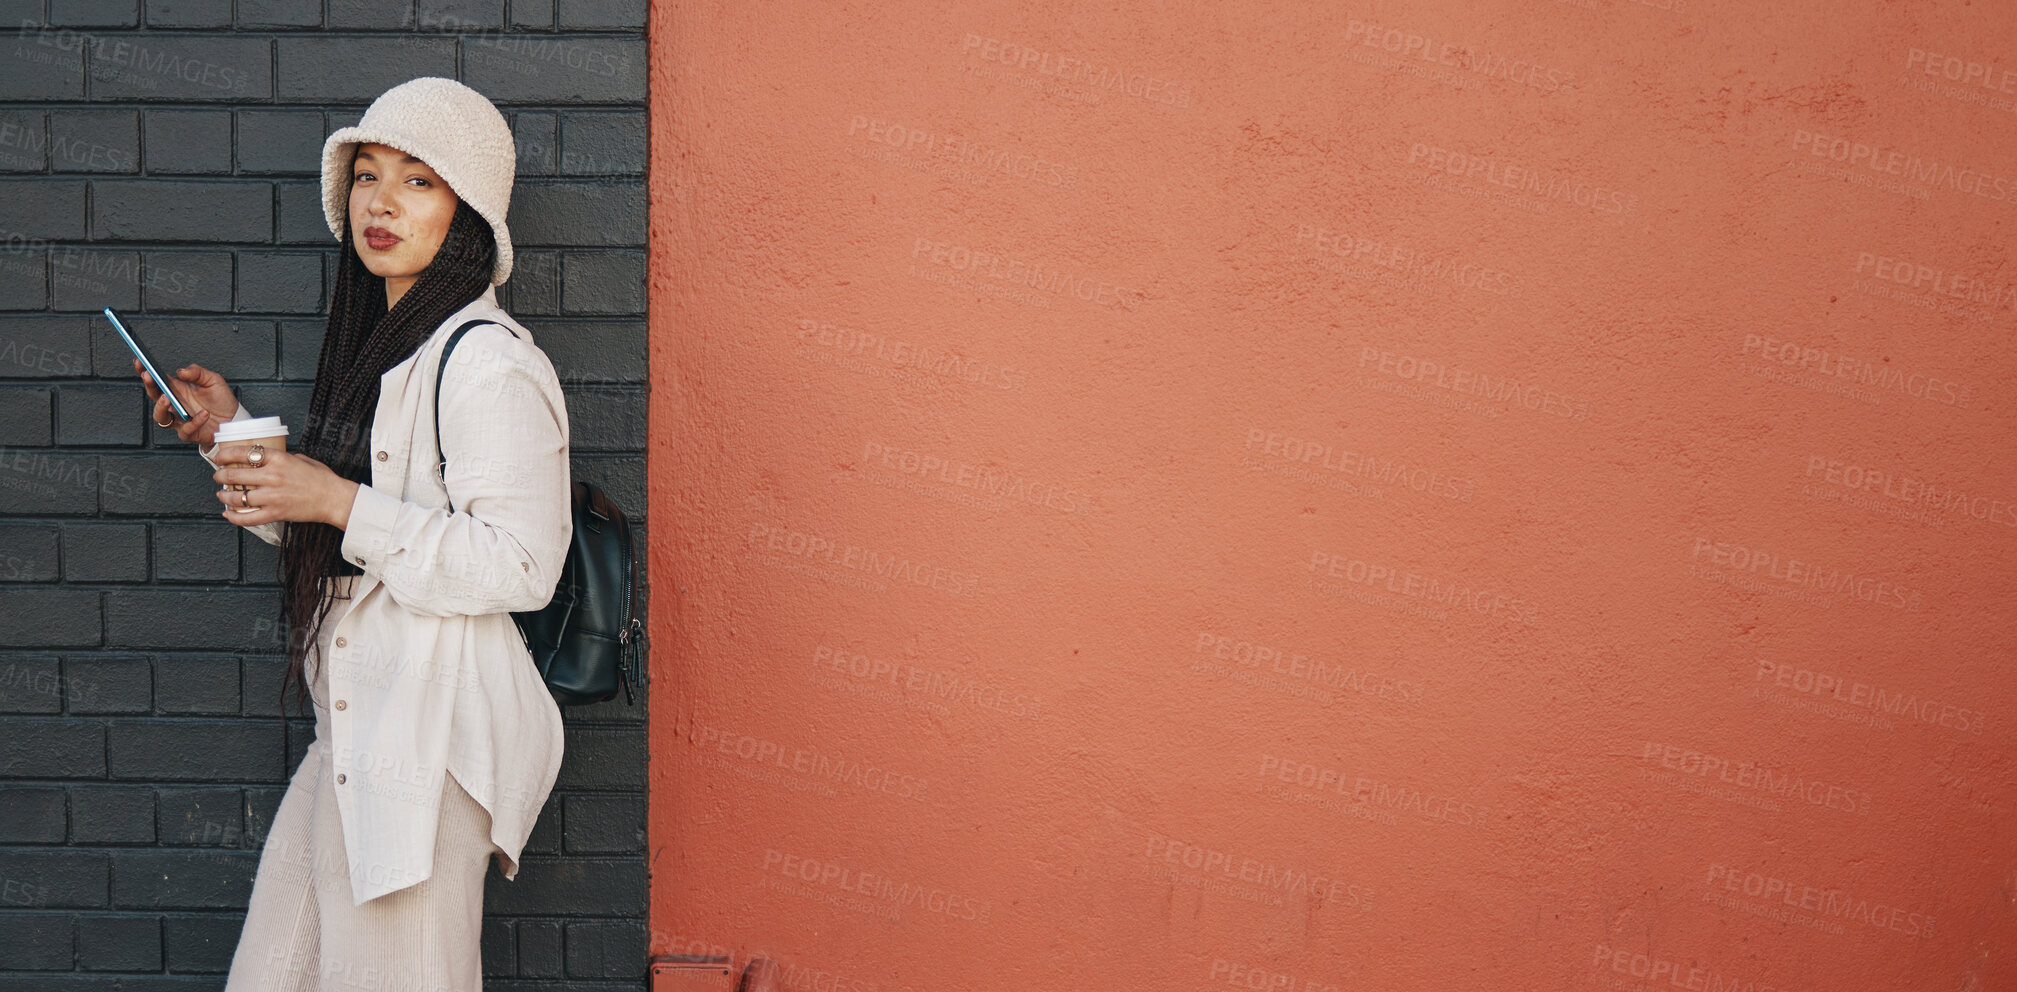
(1361, 496)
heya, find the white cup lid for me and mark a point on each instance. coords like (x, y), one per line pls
(239, 430)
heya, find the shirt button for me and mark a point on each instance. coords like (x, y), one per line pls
(340, 778)
(525, 565)
(341, 705)
(359, 560)
(340, 642)
(381, 456)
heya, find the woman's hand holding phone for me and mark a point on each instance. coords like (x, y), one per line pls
(204, 392)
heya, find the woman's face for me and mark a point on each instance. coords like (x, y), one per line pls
(399, 214)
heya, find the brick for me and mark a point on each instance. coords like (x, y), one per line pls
(37, 941)
(188, 142)
(188, 13)
(344, 70)
(607, 282)
(602, 14)
(99, 552)
(58, 879)
(371, 14)
(101, 415)
(537, 14)
(28, 553)
(461, 15)
(104, 683)
(540, 953)
(602, 759)
(202, 552)
(288, 402)
(606, 949)
(546, 828)
(259, 562)
(621, 478)
(500, 950)
(593, 352)
(537, 135)
(201, 945)
(24, 278)
(48, 65)
(186, 281)
(260, 806)
(24, 141)
(112, 815)
(238, 350)
(119, 943)
(143, 879)
(301, 220)
(94, 141)
(94, 13)
(569, 887)
(192, 750)
(186, 70)
(43, 208)
(46, 483)
(200, 817)
(279, 283)
(280, 141)
(555, 69)
(261, 679)
(605, 824)
(300, 348)
(33, 816)
(51, 618)
(195, 619)
(157, 485)
(199, 685)
(279, 13)
(31, 683)
(91, 279)
(26, 417)
(603, 144)
(578, 213)
(534, 286)
(41, 347)
(181, 210)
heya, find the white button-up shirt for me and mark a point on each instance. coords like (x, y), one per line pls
(434, 675)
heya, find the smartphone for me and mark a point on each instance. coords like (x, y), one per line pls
(161, 382)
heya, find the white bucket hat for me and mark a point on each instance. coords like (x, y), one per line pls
(455, 130)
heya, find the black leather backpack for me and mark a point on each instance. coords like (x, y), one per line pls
(587, 641)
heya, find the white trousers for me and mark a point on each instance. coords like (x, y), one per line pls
(302, 933)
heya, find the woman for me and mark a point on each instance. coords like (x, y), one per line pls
(436, 742)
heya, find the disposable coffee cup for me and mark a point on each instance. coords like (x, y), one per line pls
(241, 435)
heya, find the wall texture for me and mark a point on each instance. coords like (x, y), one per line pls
(1406, 496)
(161, 157)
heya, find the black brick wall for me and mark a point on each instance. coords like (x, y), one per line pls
(161, 156)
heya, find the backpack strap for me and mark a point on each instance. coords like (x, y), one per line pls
(440, 373)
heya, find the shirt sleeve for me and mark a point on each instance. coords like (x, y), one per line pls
(270, 533)
(504, 426)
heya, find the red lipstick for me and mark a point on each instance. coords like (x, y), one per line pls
(380, 239)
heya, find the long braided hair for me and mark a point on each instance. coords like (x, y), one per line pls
(361, 343)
